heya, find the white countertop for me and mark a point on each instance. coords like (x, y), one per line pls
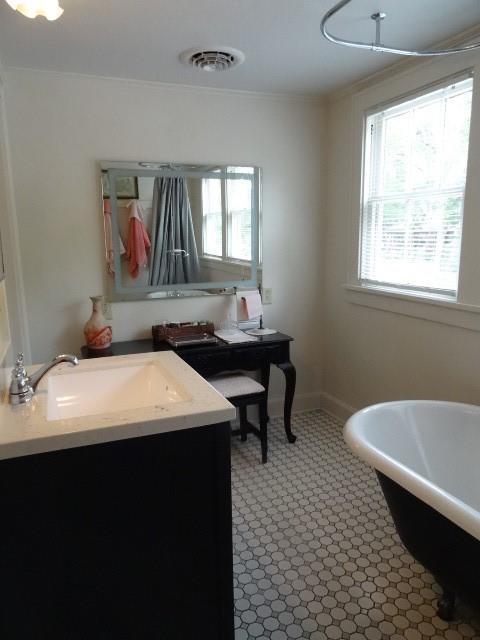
(25, 430)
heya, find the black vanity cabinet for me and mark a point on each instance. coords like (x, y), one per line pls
(125, 540)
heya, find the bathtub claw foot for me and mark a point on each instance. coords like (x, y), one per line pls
(446, 606)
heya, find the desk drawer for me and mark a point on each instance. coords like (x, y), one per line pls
(252, 358)
(208, 364)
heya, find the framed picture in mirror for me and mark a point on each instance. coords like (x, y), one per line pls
(126, 187)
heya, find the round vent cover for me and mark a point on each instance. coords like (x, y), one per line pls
(212, 58)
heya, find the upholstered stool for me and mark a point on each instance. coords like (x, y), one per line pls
(242, 391)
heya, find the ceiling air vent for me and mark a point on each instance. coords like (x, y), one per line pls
(212, 58)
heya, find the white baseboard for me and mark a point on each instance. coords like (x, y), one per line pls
(301, 402)
(310, 401)
(336, 407)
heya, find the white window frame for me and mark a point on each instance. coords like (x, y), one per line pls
(374, 131)
(464, 310)
(205, 254)
(226, 233)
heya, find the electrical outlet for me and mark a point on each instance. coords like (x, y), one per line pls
(107, 310)
(267, 296)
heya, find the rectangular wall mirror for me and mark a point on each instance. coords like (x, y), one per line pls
(179, 230)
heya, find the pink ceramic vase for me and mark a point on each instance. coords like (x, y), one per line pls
(98, 333)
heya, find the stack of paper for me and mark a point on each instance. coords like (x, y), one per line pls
(234, 336)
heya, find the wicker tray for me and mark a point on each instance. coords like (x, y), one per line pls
(160, 332)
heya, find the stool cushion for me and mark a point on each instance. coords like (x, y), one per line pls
(232, 386)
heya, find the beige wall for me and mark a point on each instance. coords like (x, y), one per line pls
(347, 355)
(372, 355)
(13, 330)
(5, 334)
(6, 358)
(60, 126)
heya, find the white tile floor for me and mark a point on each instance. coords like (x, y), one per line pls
(315, 552)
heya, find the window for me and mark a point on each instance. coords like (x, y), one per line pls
(227, 219)
(212, 217)
(415, 164)
(239, 219)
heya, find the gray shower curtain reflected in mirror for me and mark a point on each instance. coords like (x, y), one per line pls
(174, 255)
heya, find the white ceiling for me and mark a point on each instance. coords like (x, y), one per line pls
(281, 39)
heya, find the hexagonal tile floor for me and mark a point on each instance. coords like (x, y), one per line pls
(316, 554)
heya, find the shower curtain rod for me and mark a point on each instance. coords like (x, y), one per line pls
(377, 45)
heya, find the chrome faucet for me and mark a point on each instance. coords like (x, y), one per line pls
(22, 386)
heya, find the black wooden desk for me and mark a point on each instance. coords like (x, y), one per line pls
(209, 360)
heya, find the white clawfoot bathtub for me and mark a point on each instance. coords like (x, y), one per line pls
(427, 458)
(430, 448)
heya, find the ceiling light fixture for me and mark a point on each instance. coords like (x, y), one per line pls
(212, 58)
(377, 45)
(49, 9)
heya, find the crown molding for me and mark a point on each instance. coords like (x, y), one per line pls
(404, 65)
(170, 86)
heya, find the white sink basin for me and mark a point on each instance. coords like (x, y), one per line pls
(86, 393)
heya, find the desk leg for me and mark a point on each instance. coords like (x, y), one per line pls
(290, 379)
(265, 379)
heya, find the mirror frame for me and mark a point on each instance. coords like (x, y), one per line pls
(169, 170)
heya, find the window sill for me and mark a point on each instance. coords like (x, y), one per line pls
(232, 266)
(441, 310)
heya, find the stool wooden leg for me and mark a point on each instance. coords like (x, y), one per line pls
(243, 423)
(263, 415)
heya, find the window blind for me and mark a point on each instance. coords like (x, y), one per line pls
(415, 164)
(239, 206)
(212, 217)
(227, 218)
